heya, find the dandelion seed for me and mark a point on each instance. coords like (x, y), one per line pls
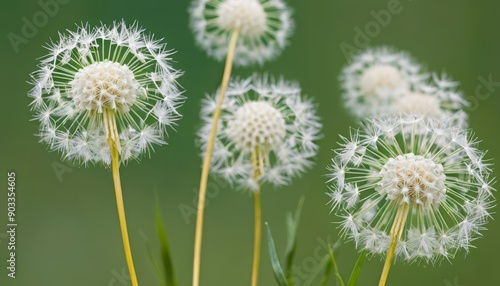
(432, 183)
(116, 70)
(264, 27)
(261, 117)
(376, 78)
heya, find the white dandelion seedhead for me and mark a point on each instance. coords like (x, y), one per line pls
(264, 27)
(384, 82)
(439, 174)
(376, 78)
(414, 180)
(418, 103)
(256, 124)
(266, 117)
(247, 16)
(104, 85)
(381, 77)
(438, 98)
(91, 72)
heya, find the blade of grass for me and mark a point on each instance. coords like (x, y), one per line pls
(335, 266)
(292, 226)
(316, 272)
(166, 254)
(331, 265)
(277, 270)
(151, 257)
(328, 269)
(353, 280)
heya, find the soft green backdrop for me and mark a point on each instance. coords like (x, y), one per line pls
(68, 232)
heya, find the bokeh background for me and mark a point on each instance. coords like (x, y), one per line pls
(68, 232)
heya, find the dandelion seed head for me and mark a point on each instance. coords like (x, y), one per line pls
(264, 116)
(247, 16)
(257, 124)
(380, 77)
(264, 27)
(117, 68)
(418, 103)
(382, 81)
(414, 180)
(376, 78)
(104, 85)
(426, 163)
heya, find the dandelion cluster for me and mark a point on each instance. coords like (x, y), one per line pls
(440, 174)
(264, 27)
(381, 81)
(266, 118)
(94, 76)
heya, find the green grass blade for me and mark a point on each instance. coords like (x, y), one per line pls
(166, 254)
(328, 270)
(353, 280)
(151, 257)
(277, 270)
(331, 265)
(292, 226)
(335, 266)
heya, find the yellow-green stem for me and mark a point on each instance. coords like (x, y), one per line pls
(257, 160)
(208, 156)
(396, 231)
(114, 145)
(257, 237)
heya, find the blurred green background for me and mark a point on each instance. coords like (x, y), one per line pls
(68, 230)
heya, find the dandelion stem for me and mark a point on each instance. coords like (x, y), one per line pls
(112, 134)
(396, 231)
(257, 165)
(208, 156)
(257, 238)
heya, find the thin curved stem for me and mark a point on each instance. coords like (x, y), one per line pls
(112, 134)
(257, 160)
(396, 231)
(257, 237)
(208, 156)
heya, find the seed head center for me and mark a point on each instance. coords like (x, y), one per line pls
(419, 103)
(414, 180)
(104, 85)
(247, 16)
(379, 77)
(256, 124)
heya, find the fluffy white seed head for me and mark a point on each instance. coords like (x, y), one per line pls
(91, 70)
(424, 162)
(381, 82)
(380, 77)
(264, 28)
(104, 85)
(376, 78)
(413, 180)
(247, 16)
(257, 124)
(418, 103)
(265, 118)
